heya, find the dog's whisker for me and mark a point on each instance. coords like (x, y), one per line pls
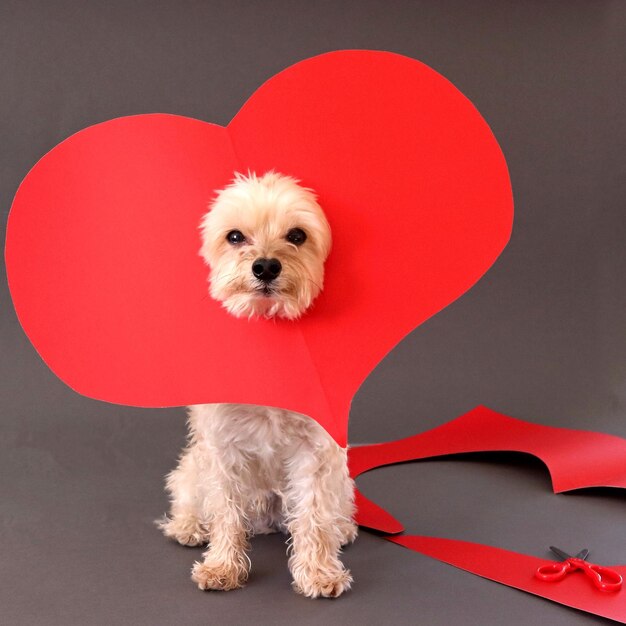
(222, 276)
(317, 286)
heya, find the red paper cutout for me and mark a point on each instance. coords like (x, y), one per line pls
(374, 517)
(574, 458)
(518, 570)
(102, 237)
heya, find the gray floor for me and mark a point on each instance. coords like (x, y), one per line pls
(541, 337)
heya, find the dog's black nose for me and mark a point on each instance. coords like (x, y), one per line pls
(266, 269)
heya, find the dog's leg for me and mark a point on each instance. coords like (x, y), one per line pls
(348, 528)
(319, 501)
(267, 515)
(226, 564)
(185, 523)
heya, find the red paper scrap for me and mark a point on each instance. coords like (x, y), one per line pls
(574, 458)
(372, 516)
(102, 238)
(518, 570)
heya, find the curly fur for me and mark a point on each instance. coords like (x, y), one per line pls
(250, 469)
(265, 208)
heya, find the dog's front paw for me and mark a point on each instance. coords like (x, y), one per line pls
(187, 531)
(218, 576)
(325, 584)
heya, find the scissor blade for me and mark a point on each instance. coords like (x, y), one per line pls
(583, 554)
(562, 555)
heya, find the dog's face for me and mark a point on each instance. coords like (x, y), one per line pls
(265, 239)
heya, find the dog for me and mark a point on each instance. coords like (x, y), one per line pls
(250, 469)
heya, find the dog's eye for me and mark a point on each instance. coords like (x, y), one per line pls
(235, 237)
(296, 236)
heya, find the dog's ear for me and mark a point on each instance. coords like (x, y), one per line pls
(212, 231)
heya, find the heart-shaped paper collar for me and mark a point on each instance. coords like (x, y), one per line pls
(102, 243)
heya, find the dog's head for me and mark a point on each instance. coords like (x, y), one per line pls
(265, 239)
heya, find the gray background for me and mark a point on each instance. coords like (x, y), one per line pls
(541, 337)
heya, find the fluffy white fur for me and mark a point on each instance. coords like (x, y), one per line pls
(252, 469)
(264, 209)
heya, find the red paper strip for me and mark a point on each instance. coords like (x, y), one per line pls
(372, 516)
(518, 570)
(575, 458)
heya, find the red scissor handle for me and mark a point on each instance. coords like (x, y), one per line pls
(604, 578)
(554, 571)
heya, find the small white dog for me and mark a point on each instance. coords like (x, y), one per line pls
(251, 469)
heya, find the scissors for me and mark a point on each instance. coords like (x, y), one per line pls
(604, 578)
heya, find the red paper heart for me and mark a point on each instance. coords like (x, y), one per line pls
(102, 237)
